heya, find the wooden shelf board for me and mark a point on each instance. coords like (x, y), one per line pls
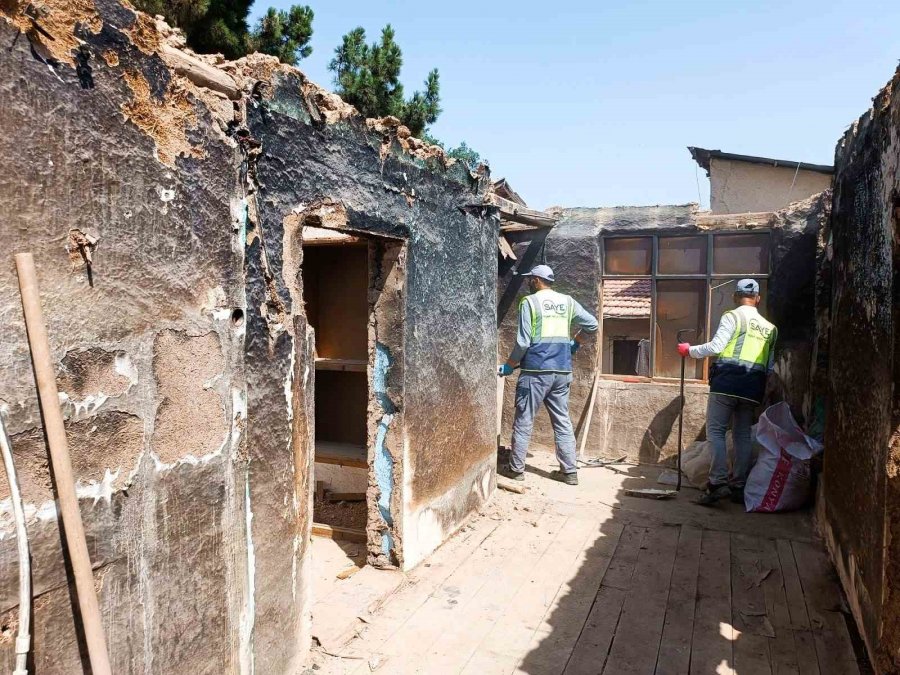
(351, 365)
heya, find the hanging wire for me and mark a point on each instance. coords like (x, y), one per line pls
(792, 183)
(697, 178)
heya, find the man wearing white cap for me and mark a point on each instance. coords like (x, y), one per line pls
(744, 344)
(544, 349)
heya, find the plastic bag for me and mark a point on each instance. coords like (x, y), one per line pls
(780, 480)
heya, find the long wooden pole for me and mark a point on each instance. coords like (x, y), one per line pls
(45, 375)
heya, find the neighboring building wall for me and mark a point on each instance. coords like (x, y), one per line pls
(638, 420)
(187, 366)
(745, 187)
(860, 509)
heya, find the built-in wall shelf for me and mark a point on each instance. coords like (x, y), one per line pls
(344, 454)
(351, 365)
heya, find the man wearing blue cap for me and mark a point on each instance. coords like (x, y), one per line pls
(744, 344)
(544, 349)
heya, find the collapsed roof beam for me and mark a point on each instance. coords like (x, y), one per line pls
(514, 216)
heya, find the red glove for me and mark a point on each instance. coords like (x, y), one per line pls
(684, 349)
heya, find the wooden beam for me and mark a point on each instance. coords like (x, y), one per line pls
(733, 221)
(200, 73)
(320, 235)
(507, 226)
(517, 213)
(352, 365)
(505, 249)
(339, 533)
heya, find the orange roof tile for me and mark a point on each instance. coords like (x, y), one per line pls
(626, 298)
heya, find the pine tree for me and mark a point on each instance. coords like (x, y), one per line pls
(368, 77)
(212, 26)
(284, 34)
(465, 154)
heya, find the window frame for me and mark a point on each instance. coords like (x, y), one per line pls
(655, 275)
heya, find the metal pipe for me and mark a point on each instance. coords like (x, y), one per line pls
(23, 638)
(45, 375)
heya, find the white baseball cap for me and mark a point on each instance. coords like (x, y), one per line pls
(540, 271)
(748, 287)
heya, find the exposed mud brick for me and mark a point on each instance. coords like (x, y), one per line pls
(94, 371)
(861, 509)
(103, 448)
(191, 415)
(448, 384)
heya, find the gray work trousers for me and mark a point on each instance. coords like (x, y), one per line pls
(720, 411)
(551, 389)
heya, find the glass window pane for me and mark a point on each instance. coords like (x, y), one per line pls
(722, 299)
(682, 255)
(741, 254)
(628, 255)
(680, 304)
(626, 327)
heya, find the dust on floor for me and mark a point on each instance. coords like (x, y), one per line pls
(340, 514)
(588, 580)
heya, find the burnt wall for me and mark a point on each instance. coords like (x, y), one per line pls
(860, 512)
(439, 429)
(151, 365)
(638, 420)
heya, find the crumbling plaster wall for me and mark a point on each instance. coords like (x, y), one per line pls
(440, 434)
(745, 187)
(860, 510)
(639, 420)
(158, 344)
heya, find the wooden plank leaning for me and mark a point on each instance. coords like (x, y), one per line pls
(45, 375)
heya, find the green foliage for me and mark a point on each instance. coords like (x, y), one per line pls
(284, 34)
(368, 77)
(212, 26)
(424, 107)
(466, 154)
(215, 25)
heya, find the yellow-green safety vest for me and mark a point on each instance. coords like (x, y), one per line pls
(551, 320)
(751, 343)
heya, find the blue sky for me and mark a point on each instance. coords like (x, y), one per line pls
(594, 103)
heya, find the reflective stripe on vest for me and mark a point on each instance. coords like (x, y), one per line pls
(551, 319)
(551, 316)
(751, 343)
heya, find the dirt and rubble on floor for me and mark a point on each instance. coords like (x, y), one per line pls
(585, 579)
(349, 514)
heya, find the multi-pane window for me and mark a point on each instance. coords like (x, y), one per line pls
(656, 285)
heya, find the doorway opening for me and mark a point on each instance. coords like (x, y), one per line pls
(335, 291)
(352, 289)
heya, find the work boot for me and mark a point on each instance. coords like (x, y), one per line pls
(737, 494)
(506, 472)
(713, 493)
(567, 478)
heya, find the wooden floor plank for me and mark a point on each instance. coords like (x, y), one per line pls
(711, 645)
(674, 656)
(804, 642)
(593, 644)
(445, 606)
(748, 606)
(636, 643)
(782, 647)
(445, 616)
(823, 604)
(565, 618)
(500, 629)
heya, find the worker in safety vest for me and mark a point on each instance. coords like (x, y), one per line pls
(544, 349)
(744, 343)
